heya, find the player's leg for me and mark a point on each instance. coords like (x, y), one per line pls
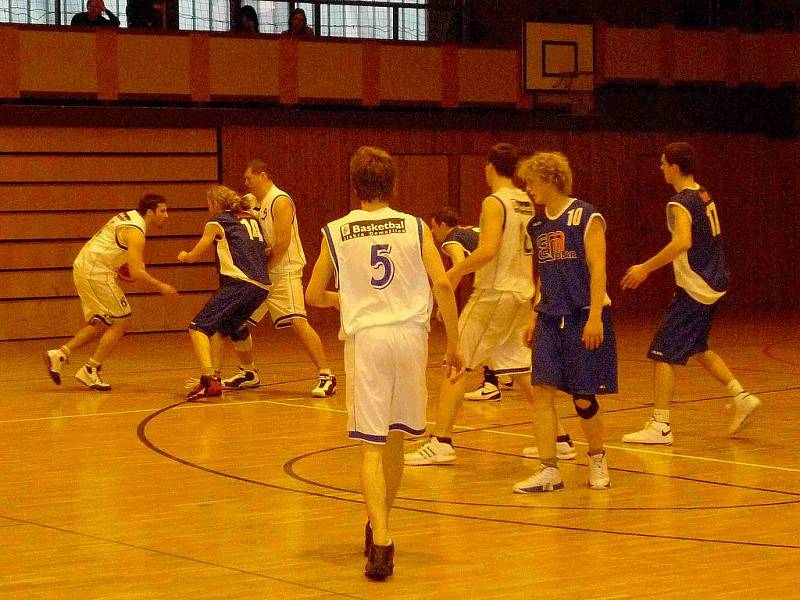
(326, 386)
(745, 404)
(56, 358)
(547, 478)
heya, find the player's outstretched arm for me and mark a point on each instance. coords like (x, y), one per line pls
(492, 214)
(202, 246)
(681, 242)
(317, 293)
(443, 292)
(134, 239)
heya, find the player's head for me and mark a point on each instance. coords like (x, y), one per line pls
(256, 177)
(221, 198)
(153, 208)
(502, 161)
(678, 160)
(372, 173)
(442, 221)
(545, 173)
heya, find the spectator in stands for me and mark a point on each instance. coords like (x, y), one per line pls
(93, 17)
(246, 20)
(145, 13)
(298, 24)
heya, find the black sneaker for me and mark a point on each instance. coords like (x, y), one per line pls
(367, 539)
(380, 563)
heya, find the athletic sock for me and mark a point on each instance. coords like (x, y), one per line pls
(490, 376)
(734, 387)
(325, 372)
(563, 438)
(661, 415)
(93, 363)
(444, 440)
(64, 350)
(550, 462)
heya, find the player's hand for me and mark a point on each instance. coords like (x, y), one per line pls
(634, 277)
(168, 290)
(439, 316)
(527, 334)
(593, 334)
(453, 365)
(182, 256)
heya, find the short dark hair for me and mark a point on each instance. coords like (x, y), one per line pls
(249, 12)
(257, 166)
(372, 173)
(447, 215)
(504, 159)
(683, 155)
(150, 202)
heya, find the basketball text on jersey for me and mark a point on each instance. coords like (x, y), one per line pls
(359, 229)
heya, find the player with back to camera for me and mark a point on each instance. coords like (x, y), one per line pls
(384, 263)
(95, 272)
(698, 259)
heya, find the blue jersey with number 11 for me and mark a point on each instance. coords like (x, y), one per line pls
(377, 257)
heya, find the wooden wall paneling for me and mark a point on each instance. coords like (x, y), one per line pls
(753, 64)
(10, 73)
(114, 140)
(330, 71)
(97, 196)
(57, 62)
(243, 67)
(155, 65)
(422, 184)
(488, 76)
(701, 56)
(21, 255)
(62, 168)
(410, 74)
(473, 187)
(83, 225)
(60, 317)
(50, 283)
(629, 54)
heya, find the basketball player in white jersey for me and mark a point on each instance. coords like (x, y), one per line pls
(492, 324)
(95, 272)
(278, 216)
(382, 260)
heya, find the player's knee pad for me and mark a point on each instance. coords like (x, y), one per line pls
(585, 412)
(241, 339)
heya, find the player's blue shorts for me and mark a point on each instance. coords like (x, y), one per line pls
(560, 359)
(684, 330)
(227, 310)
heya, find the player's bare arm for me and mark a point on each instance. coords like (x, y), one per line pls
(457, 255)
(317, 293)
(596, 260)
(282, 217)
(488, 243)
(134, 239)
(443, 292)
(203, 245)
(681, 242)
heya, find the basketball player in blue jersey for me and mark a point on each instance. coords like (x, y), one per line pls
(492, 323)
(384, 262)
(457, 243)
(96, 271)
(574, 350)
(241, 258)
(698, 259)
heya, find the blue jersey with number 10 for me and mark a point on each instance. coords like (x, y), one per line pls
(377, 257)
(559, 243)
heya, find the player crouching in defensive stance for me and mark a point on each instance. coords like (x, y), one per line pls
(382, 260)
(242, 260)
(95, 271)
(573, 337)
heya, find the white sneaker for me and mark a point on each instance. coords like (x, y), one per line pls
(546, 479)
(245, 378)
(564, 451)
(325, 387)
(55, 360)
(90, 377)
(487, 392)
(653, 432)
(745, 405)
(432, 452)
(598, 472)
(506, 382)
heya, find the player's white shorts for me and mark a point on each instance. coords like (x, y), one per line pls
(386, 384)
(490, 331)
(101, 300)
(285, 301)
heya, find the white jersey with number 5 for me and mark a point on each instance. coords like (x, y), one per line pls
(377, 257)
(511, 269)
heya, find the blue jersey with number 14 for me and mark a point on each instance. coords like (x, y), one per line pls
(377, 257)
(240, 248)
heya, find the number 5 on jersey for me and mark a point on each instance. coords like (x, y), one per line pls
(380, 261)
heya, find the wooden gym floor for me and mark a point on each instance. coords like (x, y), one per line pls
(136, 494)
